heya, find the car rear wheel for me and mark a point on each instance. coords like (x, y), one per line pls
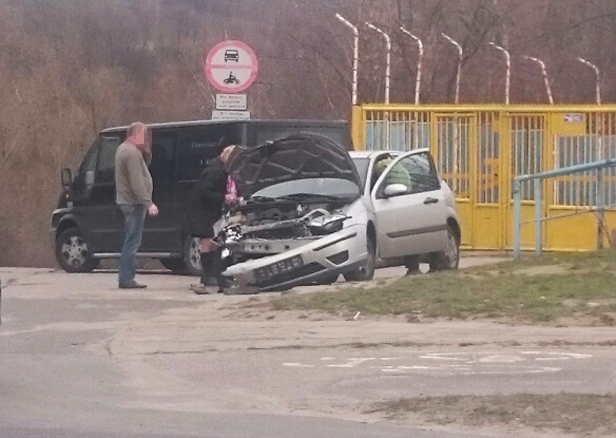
(366, 272)
(192, 255)
(72, 252)
(450, 258)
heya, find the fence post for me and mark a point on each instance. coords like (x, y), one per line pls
(600, 207)
(517, 200)
(538, 216)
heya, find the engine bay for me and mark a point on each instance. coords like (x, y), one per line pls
(269, 227)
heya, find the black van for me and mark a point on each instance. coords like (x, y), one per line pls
(87, 225)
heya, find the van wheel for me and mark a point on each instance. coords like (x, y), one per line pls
(174, 265)
(450, 258)
(366, 272)
(72, 252)
(192, 255)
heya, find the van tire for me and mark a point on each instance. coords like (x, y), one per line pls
(72, 252)
(192, 255)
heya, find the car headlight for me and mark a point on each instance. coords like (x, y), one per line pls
(327, 224)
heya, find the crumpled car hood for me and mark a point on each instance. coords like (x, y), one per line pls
(298, 156)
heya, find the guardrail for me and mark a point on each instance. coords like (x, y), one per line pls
(599, 207)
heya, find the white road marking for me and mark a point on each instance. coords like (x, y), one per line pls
(352, 362)
(498, 358)
(296, 365)
(454, 363)
(440, 356)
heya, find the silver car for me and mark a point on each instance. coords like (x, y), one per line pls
(415, 210)
(314, 211)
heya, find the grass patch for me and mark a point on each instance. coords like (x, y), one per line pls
(537, 290)
(571, 413)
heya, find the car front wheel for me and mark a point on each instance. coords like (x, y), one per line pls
(72, 252)
(366, 272)
(450, 258)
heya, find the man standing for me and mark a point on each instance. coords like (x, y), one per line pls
(134, 197)
(205, 210)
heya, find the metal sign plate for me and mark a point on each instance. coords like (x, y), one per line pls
(230, 115)
(234, 102)
(231, 66)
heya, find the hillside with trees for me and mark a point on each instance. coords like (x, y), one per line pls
(69, 68)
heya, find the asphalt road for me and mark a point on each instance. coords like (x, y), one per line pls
(81, 358)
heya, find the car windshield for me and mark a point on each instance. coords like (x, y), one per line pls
(361, 164)
(329, 187)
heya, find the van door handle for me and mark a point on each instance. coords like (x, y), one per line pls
(430, 201)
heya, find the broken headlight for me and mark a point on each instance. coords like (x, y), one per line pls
(327, 224)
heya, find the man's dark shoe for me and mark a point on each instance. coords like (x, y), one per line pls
(132, 285)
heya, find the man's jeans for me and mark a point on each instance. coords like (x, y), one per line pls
(134, 217)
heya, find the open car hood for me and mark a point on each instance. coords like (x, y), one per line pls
(297, 156)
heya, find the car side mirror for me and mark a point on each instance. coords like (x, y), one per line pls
(89, 179)
(67, 178)
(394, 190)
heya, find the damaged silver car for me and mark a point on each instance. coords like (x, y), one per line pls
(314, 211)
(304, 219)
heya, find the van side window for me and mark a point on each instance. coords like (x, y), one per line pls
(88, 166)
(163, 155)
(105, 171)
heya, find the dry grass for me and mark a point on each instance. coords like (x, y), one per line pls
(580, 288)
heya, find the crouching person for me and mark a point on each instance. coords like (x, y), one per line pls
(206, 208)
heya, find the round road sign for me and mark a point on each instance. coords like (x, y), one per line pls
(231, 66)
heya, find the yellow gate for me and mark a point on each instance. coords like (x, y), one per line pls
(479, 149)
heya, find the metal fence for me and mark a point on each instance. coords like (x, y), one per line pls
(481, 149)
(599, 181)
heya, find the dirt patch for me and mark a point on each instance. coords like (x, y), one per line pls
(578, 414)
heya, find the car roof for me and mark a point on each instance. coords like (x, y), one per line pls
(191, 123)
(371, 154)
(365, 154)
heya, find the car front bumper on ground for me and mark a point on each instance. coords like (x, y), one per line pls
(333, 254)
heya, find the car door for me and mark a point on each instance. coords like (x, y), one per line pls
(411, 214)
